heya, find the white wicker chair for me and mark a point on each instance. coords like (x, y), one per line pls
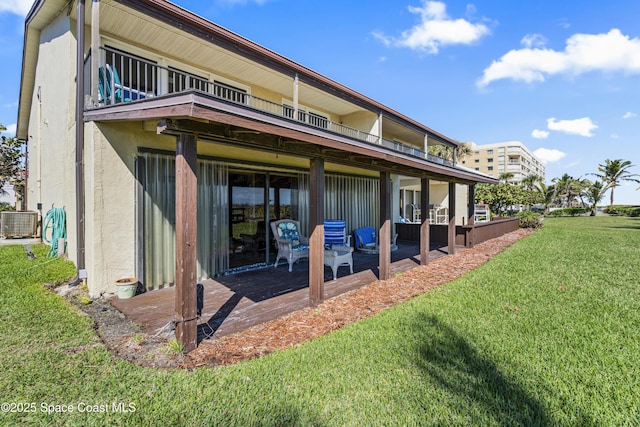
(291, 246)
(338, 256)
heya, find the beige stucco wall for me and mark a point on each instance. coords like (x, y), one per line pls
(363, 120)
(439, 195)
(111, 223)
(51, 131)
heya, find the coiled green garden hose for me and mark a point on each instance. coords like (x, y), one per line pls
(56, 218)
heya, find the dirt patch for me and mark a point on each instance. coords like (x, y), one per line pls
(126, 340)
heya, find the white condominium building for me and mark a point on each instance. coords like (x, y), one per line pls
(504, 157)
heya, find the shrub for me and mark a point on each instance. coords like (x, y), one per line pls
(570, 212)
(632, 211)
(6, 207)
(529, 219)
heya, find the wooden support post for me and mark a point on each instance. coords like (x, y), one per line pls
(471, 202)
(316, 225)
(451, 232)
(186, 249)
(424, 219)
(385, 226)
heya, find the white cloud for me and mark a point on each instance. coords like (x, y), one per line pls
(19, 7)
(11, 130)
(436, 29)
(610, 52)
(533, 40)
(582, 127)
(549, 155)
(540, 134)
(628, 115)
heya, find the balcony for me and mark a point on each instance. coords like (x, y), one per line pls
(125, 78)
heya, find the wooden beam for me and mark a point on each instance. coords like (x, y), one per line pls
(316, 225)
(470, 234)
(385, 226)
(425, 238)
(471, 205)
(186, 249)
(451, 232)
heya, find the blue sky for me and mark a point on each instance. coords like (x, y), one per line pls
(561, 77)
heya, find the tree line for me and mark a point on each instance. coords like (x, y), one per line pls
(12, 167)
(565, 191)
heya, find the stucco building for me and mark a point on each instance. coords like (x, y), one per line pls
(166, 137)
(505, 157)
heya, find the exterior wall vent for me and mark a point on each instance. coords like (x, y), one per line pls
(19, 224)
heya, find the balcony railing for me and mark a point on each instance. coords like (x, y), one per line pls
(123, 77)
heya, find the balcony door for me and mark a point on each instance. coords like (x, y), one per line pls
(256, 199)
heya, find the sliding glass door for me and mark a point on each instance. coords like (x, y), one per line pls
(235, 208)
(257, 198)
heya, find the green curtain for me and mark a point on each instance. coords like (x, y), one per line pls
(159, 233)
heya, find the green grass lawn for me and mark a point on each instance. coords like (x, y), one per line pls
(546, 333)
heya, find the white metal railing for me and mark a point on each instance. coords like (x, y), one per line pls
(123, 77)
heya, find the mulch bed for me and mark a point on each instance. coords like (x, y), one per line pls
(309, 323)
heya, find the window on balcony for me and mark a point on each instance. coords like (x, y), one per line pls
(229, 92)
(317, 120)
(181, 80)
(134, 75)
(313, 119)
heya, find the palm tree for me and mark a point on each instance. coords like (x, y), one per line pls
(440, 150)
(613, 173)
(505, 177)
(529, 182)
(548, 194)
(567, 188)
(594, 192)
(461, 152)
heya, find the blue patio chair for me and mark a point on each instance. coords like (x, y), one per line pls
(366, 241)
(335, 233)
(111, 90)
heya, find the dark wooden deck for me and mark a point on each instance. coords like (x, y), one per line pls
(236, 302)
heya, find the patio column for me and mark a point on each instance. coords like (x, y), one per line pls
(424, 219)
(316, 226)
(471, 217)
(385, 226)
(451, 232)
(186, 248)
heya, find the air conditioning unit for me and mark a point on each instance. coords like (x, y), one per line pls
(19, 224)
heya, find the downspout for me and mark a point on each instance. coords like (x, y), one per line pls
(39, 151)
(80, 37)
